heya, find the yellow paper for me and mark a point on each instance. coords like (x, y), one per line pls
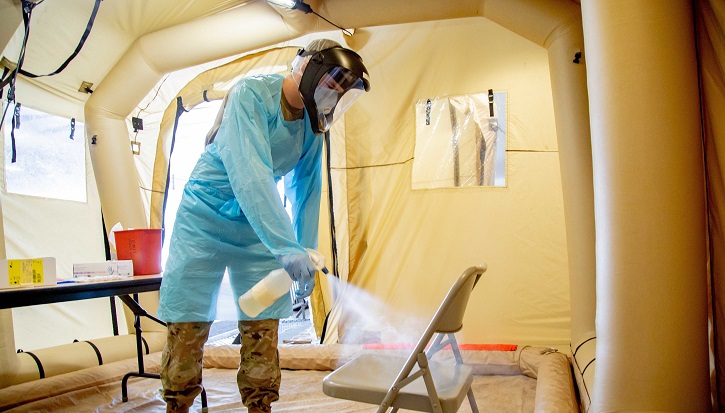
(21, 272)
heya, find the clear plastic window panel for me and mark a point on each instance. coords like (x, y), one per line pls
(460, 141)
(50, 155)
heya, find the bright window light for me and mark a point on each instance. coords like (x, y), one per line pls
(189, 145)
(50, 162)
(283, 3)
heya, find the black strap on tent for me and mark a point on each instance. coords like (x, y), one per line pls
(86, 33)
(107, 249)
(428, 105)
(72, 127)
(490, 102)
(582, 343)
(114, 317)
(333, 236)
(179, 111)
(106, 244)
(8, 77)
(98, 352)
(324, 328)
(95, 349)
(15, 125)
(145, 345)
(41, 371)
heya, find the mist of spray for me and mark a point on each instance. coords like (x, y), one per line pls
(366, 319)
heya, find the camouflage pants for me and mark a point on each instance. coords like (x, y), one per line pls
(258, 377)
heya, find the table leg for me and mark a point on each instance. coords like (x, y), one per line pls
(138, 312)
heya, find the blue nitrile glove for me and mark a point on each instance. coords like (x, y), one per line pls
(300, 269)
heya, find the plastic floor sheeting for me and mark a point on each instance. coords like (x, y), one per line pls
(98, 389)
(301, 391)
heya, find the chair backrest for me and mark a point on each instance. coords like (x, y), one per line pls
(446, 320)
(449, 316)
(374, 386)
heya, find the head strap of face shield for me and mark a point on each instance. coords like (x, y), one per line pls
(322, 62)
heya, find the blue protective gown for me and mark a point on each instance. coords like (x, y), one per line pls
(231, 215)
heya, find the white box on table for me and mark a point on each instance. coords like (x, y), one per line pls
(120, 268)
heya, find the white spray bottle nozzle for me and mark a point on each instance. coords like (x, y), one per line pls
(318, 260)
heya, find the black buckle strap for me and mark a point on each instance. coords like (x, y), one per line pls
(78, 48)
(15, 125)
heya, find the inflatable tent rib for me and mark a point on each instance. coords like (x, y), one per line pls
(606, 241)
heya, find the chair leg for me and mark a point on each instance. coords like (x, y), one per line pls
(204, 406)
(435, 403)
(456, 350)
(472, 400)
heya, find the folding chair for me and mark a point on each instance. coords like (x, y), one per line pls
(435, 386)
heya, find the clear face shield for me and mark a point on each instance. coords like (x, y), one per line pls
(332, 80)
(337, 90)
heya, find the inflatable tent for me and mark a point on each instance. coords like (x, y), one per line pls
(603, 239)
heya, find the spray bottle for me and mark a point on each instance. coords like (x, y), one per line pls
(276, 284)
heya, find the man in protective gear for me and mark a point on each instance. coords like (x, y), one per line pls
(231, 217)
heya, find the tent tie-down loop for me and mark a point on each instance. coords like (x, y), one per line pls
(9, 76)
(29, 5)
(27, 13)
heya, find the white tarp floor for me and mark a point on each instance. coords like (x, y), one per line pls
(503, 383)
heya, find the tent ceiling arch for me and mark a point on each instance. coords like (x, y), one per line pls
(151, 39)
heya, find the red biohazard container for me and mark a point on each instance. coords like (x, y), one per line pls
(143, 247)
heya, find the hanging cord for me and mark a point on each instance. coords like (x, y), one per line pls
(306, 8)
(12, 76)
(15, 125)
(180, 110)
(135, 143)
(158, 90)
(347, 32)
(27, 10)
(78, 48)
(333, 237)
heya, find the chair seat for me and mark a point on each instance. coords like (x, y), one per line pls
(368, 377)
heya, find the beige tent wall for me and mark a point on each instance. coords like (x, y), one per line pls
(143, 49)
(710, 23)
(534, 191)
(11, 16)
(76, 234)
(408, 245)
(650, 210)
(77, 237)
